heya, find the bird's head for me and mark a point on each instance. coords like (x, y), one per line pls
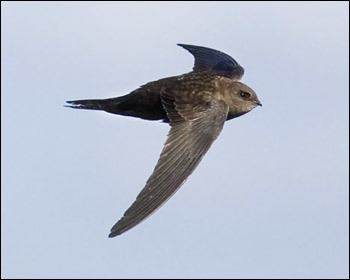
(243, 99)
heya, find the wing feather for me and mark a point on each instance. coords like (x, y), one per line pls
(193, 130)
(206, 59)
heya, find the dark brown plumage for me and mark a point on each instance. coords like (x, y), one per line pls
(196, 105)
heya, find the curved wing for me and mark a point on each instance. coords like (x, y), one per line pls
(206, 59)
(193, 130)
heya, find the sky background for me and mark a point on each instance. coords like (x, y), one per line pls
(269, 200)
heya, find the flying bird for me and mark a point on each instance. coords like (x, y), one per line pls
(196, 106)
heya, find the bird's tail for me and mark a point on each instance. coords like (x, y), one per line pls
(128, 105)
(89, 104)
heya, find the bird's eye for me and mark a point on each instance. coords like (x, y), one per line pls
(245, 95)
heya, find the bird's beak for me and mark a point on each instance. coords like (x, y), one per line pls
(258, 103)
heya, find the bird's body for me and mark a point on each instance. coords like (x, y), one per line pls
(145, 102)
(196, 105)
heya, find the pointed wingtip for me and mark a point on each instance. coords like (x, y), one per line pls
(112, 234)
(185, 46)
(115, 231)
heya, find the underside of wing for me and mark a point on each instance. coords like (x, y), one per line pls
(193, 130)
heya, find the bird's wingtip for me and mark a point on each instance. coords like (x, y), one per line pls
(182, 45)
(113, 234)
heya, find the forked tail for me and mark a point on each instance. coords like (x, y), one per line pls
(145, 107)
(89, 104)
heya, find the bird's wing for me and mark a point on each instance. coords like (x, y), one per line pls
(194, 127)
(206, 59)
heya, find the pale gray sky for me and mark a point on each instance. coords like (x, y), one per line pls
(270, 199)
